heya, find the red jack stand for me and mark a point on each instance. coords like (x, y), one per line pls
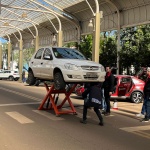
(53, 104)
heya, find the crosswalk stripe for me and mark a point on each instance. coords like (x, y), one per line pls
(143, 134)
(138, 128)
(16, 104)
(21, 94)
(19, 117)
(48, 115)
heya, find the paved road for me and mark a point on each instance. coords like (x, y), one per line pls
(24, 127)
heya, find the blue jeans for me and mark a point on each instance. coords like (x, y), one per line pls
(104, 106)
(23, 80)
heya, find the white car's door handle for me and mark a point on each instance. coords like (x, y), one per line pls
(42, 63)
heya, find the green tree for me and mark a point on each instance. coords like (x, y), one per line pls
(108, 51)
(85, 46)
(27, 54)
(135, 47)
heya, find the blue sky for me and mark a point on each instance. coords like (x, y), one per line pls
(2, 40)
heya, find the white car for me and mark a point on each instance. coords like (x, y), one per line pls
(63, 66)
(9, 74)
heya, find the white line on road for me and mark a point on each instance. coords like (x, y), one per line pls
(48, 115)
(16, 104)
(19, 117)
(21, 94)
(138, 128)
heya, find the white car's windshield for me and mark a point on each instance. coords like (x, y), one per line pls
(68, 53)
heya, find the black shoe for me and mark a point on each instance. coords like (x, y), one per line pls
(107, 114)
(83, 121)
(103, 112)
(145, 120)
(101, 123)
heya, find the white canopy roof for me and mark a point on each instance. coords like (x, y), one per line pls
(47, 17)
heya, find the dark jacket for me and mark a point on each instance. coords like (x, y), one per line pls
(108, 84)
(95, 96)
(147, 87)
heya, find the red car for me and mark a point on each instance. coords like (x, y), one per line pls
(126, 87)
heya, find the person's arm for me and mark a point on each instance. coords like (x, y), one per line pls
(112, 80)
(85, 93)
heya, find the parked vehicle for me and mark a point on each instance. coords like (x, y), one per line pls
(63, 66)
(126, 87)
(9, 74)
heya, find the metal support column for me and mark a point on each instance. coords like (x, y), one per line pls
(118, 50)
(95, 50)
(20, 59)
(9, 54)
(36, 43)
(60, 33)
(0, 56)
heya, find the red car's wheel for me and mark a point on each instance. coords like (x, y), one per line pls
(136, 97)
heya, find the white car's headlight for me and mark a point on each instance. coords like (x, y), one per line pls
(71, 67)
(102, 69)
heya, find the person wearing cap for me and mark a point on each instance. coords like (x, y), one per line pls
(147, 97)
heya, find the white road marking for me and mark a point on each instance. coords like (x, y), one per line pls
(16, 104)
(143, 134)
(19, 117)
(138, 130)
(21, 94)
(48, 115)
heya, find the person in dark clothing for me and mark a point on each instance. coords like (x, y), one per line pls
(23, 77)
(92, 98)
(147, 97)
(108, 86)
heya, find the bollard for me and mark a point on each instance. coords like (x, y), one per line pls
(115, 105)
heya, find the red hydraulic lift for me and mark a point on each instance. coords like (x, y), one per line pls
(51, 101)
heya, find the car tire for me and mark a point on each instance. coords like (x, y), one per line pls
(11, 78)
(37, 83)
(16, 79)
(31, 78)
(59, 82)
(136, 97)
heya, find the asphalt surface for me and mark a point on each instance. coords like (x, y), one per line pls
(24, 127)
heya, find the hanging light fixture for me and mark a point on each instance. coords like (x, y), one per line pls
(32, 42)
(24, 15)
(17, 45)
(6, 24)
(90, 23)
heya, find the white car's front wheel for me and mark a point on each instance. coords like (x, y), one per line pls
(31, 78)
(59, 82)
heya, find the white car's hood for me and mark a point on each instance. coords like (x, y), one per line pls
(79, 62)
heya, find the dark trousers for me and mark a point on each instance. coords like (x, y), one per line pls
(147, 104)
(107, 100)
(96, 109)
